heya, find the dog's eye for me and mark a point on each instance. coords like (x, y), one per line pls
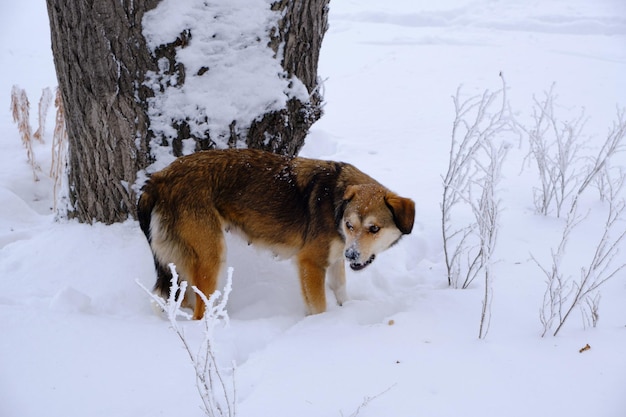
(374, 229)
(349, 226)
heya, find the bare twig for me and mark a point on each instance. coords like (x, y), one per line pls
(600, 162)
(558, 288)
(487, 213)
(555, 147)
(600, 269)
(366, 401)
(218, 400)
(590, 309)
(475, 163)
(472, 129)
(564, 293)
(457, 177)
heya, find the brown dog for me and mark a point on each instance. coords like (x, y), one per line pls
(318, 211)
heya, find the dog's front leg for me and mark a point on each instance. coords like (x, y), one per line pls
(312, 276)
(337, 280)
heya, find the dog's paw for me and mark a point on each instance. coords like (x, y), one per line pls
(340, 295)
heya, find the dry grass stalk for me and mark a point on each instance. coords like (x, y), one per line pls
(59, 147)
(20, 108)
(44, 105)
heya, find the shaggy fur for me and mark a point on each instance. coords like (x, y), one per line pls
(319, 212)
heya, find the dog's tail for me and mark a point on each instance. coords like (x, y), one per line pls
(146, 204)
(145, 207)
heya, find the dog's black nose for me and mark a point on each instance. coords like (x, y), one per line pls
(352, 254)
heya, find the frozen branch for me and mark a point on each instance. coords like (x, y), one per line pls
(600, 269)
(564, 293)
(473, 128)
(555, 147)
(487, 213)
(599, 164)
(474, 164)
(218, 399)
(558, 289)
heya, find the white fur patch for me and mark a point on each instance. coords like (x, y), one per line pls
(164, 250)
(367, 244)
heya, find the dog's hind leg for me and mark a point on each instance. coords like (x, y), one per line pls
(206, 239)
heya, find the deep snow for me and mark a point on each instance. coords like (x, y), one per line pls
(79, 336)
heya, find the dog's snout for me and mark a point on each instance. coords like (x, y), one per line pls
(352, 254)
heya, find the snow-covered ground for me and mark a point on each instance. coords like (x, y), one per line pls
(78, 336)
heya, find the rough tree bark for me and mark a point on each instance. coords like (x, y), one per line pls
(301, 32)
(102, 59)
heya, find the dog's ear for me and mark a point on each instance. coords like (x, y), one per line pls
(403, 210)
(340, 206)
(350, 192)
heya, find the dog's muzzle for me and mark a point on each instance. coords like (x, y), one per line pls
(353, 255)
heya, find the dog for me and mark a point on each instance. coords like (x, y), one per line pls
(319, 212)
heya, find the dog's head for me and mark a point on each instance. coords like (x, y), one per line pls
(373, 219)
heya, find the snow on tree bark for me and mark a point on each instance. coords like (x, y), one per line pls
(257, 87)
(116, 80)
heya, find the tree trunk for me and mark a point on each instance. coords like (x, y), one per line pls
(100, 58)
(103, 65)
